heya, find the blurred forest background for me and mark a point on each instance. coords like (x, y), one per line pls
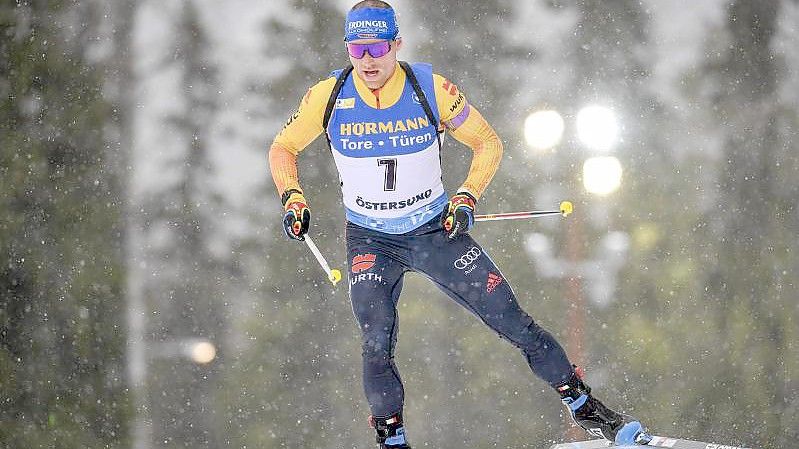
(138, 219)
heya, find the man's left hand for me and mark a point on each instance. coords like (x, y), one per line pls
(458, 218)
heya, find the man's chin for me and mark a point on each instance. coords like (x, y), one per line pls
(372, 78)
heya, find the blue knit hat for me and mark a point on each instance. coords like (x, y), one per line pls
(370, 23)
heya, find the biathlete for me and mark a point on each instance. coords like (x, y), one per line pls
(384, 122)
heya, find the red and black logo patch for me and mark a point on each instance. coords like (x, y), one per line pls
(493, 282)
(449, 87)
(363, 262)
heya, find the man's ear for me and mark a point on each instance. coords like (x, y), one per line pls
(398, 43)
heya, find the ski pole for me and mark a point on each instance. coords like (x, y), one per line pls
(334, 275)
(565, 209)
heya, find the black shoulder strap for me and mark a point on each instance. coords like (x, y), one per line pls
(422, 98)
(332, 100)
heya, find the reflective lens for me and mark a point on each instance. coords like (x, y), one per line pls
(376, 49)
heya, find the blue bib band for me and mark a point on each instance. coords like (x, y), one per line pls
(403, 224)
(370, 23)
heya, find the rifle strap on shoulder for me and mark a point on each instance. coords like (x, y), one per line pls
(422, 99)
(331, 102)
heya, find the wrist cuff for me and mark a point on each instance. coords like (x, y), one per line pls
(466, 193)
(287, 194)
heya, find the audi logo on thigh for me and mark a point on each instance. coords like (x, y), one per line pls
(465, 260)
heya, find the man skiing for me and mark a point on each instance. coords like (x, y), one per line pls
(383, 120)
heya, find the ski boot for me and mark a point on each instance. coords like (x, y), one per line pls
(598, 420)
(390, 432)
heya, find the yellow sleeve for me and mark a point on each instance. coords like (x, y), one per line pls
(469, 127)
(304, 125)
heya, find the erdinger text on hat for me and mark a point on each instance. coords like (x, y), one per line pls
(371, 23)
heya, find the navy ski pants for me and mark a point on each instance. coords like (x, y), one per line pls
(462, 269)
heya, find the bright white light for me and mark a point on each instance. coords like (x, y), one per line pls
(602, 175)
(203, 352)
(597, 127)
(543, 129)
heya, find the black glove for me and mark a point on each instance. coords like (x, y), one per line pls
(458, 217)
(296, 216)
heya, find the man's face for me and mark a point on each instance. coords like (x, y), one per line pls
(375, 71)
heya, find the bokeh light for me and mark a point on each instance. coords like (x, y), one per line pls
(543, 129)
(602, 175)
(597, 127)
(203, 352)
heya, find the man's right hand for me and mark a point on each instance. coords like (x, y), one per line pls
(296, 216)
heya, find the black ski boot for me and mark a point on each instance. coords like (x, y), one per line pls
(598, 420)
(390, 432)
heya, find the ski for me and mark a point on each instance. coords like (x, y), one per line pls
(677, 443)
(657, 441)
